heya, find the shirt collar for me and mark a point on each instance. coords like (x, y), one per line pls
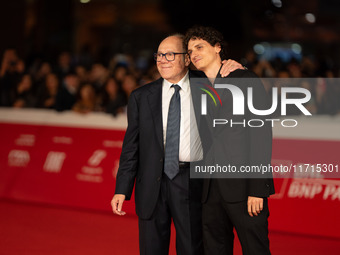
(218, 74)
(183, 83)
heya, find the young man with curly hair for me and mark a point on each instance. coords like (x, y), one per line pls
(228, 202)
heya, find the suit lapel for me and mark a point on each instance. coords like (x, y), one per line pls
(155, 104)
(196, 96)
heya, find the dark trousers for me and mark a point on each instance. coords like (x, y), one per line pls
(180, 201)
(219, 219)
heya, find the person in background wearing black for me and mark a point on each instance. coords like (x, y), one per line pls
(113, 98)
(67, 95)
(47, 92)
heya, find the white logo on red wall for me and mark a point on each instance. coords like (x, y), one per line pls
(25, 140)
(93, 173)
(280, 189)
(62, 139)
(307, 184)
(54, 161)
(18, 158)
(311, 188)
(97, 157)
(112, 144)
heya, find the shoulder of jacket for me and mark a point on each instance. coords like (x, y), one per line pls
(241, 73)
(147, 87)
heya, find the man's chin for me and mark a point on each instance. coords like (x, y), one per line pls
(165, 75)
(198, 67)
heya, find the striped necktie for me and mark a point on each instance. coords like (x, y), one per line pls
(171, 159)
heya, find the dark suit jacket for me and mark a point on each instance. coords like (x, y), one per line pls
(238, 145)
(142, 154)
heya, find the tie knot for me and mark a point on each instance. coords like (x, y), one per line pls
(176, 87)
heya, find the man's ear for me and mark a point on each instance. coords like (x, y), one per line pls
(218, 48)
(187, 59)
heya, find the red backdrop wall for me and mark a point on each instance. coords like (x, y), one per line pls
(72, 160)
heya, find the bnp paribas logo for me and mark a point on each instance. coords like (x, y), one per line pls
(213, 94)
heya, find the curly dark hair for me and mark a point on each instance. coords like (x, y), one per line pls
(209, 34)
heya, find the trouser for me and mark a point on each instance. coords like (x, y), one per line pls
(219, 219)
(179, 200)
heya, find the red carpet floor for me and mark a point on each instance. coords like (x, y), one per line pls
(29, 229)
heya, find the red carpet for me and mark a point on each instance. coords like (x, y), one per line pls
(29, 229)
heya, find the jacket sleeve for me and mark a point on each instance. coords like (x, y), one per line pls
(128, 164)
(260, 141)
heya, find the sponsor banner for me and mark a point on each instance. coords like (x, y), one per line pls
(309, 203)
(72, 160)
(62, 165)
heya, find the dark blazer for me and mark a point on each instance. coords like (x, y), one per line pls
(142, 156)
(238, 145)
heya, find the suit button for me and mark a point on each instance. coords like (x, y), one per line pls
(161, 160)
(159, 179)
(267, 185)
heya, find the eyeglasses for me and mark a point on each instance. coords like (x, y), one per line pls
(170, 56)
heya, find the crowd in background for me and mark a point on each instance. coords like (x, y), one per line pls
(83, 85)
(69, 84)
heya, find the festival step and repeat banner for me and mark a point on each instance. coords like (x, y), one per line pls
(72, 160)
(60, 158)
(309, 201)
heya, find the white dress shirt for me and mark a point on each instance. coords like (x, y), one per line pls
(190, 147)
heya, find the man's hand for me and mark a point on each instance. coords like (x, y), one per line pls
(229, 66)
(117, 204)
(255, 205)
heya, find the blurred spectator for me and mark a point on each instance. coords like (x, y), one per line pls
(43, 90)
(9, 62)
(151, 74)
(278, 64)
(23, 96)
(47, 93)
(283, 73)
(264, 69)
(87, 101)
(84, 58)
(113, 98)
(119, 72)
(21, 67)
(308, 67)
(82, 73)
(64, 65)
(67, 95)
(121, 64)
(249, 60)
(11, 71)
(311, 105)
(294, 69)
(326, 97)
(129, 84)
(98, 76)
(40, 76)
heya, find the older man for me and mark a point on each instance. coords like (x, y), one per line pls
(160, 142)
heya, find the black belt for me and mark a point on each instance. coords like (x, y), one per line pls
(183, 164)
